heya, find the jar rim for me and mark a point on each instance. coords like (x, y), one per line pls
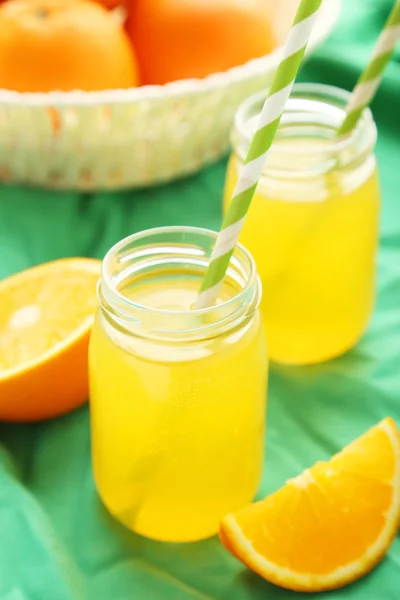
(312, 96)
(127, 310)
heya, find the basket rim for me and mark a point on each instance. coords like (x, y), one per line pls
(330, 11)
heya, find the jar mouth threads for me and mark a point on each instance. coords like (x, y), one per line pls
(174, 252)
(314, 111)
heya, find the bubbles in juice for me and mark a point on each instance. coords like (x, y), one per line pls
(177, 428)
(314, 242)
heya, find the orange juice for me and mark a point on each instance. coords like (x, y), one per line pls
(177, 397)
(312, 229)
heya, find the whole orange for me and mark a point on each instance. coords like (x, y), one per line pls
(180, 39)
(63, 45)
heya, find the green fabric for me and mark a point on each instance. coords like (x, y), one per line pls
(57, 542)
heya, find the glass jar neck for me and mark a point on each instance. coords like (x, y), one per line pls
(181, 252)
(306, 144)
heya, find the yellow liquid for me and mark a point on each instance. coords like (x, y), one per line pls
(177, 429)
(315, 253)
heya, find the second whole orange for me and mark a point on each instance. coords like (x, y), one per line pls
(181, 39)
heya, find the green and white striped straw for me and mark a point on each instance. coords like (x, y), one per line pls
(251, 171)
(367, 85)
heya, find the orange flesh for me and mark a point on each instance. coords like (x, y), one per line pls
(338, 515)
(41, 313)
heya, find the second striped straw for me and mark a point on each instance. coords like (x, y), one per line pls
(250, 174)
(368, 83)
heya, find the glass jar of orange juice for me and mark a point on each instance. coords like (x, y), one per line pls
(177, 395)
(312, 227)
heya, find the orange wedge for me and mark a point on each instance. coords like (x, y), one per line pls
(328, 526)
(45, 321)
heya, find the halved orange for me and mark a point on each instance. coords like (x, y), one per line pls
(45, 321)
(328, 526)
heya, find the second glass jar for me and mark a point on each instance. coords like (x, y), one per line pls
(312, 227)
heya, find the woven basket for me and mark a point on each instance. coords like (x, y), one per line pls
(130, 138)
